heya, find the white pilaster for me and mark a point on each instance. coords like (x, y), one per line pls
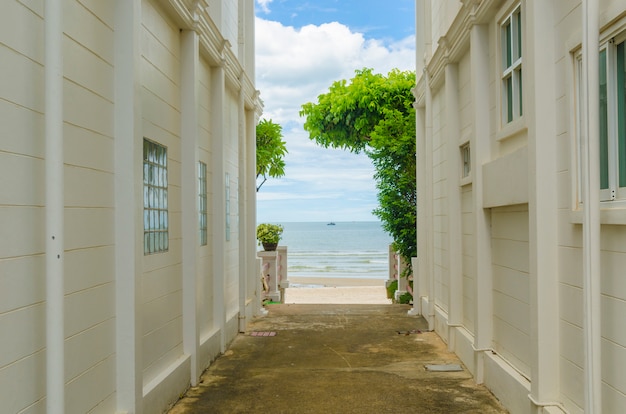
(543, 209)
(189, 171)
(455, 254)
(420, 280)
(218, 98)
(427, 208)
(480, 154)
(128, 205)
(252, 264)
(241, 208)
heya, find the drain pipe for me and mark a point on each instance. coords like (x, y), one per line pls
(591, 217)
(55, 337)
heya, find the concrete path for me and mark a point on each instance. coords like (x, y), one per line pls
(336, 359)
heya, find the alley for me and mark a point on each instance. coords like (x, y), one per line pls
(337, 359)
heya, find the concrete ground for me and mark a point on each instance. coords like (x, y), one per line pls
(336, 359)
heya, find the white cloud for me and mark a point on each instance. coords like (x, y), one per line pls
(264, 4)
(293, 67)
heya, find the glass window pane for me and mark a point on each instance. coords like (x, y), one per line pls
(621, 111)
(604, 130)
(518, 18)
(509, 99)
(507, 40)
(519, 91)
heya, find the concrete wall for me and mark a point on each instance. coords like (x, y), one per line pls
(504, 245)
(137, 329)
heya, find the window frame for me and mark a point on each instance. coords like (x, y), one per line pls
(202, 204)
(614, 194)
(155, 198)
(511, 65)
(466, 160)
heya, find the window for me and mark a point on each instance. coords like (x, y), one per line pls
(155, 219)
(612, 117)
(466, 167)
(227, 205)
(613, 120)
(511, 45)
(202, 203)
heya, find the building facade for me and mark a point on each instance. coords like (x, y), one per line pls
(127, 210)
(521, 237)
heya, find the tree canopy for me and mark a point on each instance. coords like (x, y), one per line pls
(374, 113)
(270, 151)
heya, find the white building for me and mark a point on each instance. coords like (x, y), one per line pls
(127, 202)
(522, 265)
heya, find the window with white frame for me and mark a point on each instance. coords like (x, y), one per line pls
(511, 72)
(202, 203)
(155, 216)
(612, 117)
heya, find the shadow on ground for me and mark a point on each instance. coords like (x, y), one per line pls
(336, 359)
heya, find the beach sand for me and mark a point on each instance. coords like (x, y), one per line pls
(329, 290)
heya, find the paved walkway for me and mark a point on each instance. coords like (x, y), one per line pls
(336, 359)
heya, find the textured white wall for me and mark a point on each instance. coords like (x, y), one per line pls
(161, 279)
(440, 219)
(205, 274)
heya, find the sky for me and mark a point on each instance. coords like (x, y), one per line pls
(302, 47)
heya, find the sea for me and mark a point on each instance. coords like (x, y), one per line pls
(356, 249)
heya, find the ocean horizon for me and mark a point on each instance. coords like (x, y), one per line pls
(346, 249)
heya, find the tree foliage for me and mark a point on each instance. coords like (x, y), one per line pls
(373, 113)
(270, 151)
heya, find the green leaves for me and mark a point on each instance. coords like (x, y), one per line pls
(374, 113)
(270, 151)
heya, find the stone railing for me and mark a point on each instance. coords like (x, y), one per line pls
(397, 266)
(273, 273)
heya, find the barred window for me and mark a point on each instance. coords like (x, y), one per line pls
(202, 203)
(155, 217)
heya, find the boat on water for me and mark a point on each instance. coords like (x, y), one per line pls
(332, 223)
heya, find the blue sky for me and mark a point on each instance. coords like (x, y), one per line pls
(301, 48)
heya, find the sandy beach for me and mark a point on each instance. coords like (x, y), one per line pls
(329, 290)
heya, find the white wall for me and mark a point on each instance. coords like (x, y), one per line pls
(92, 332)
(161, 279)
(506, 184)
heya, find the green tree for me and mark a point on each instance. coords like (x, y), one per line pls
(270, 152)
(373, 113)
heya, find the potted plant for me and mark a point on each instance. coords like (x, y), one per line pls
(268, 235)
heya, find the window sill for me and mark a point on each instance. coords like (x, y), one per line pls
(465, 181)
(512, 129)
(609, 216)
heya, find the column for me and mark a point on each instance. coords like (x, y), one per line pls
(241, 196)
(427, 207)
(269, 269)
(189, 171)
(218, 95)
(542, 203)
(455, 254)
(128, 205)
(420, 274)
(480, 154)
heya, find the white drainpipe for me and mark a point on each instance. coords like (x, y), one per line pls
(591, 207)
(55, 363)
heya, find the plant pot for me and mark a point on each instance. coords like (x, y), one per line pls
(270, 247)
